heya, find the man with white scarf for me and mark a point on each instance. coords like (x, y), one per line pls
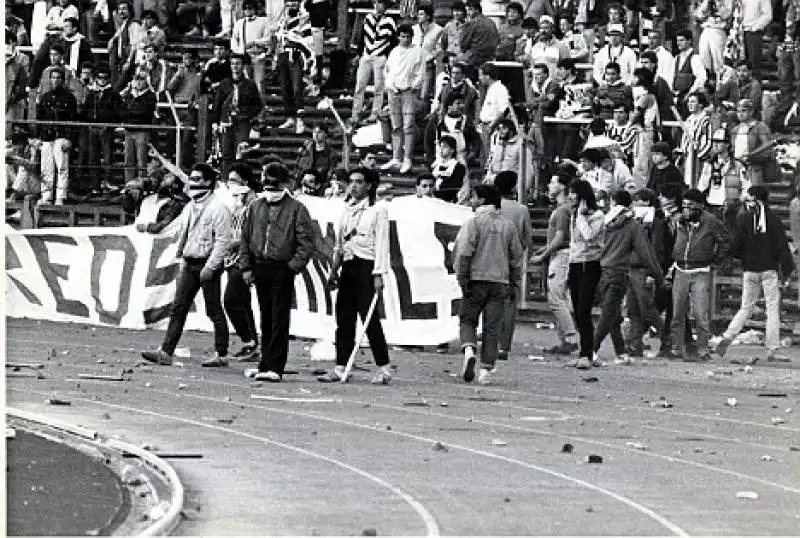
(760, 242)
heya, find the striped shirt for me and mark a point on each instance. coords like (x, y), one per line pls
(379, 34)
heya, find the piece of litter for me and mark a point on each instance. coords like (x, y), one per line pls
(787, 410)
(778, 420)
(105, 416)
(304, 391)
(65, 352)
(594, 458)
(772, 394)
(225, 420)
(537, 358)
(794, 449)
(567, 448)
(35, 366)
(766, 457)
(182, 352)
(177, 364)
(97, 377)
(182, 386)
(101, 361)
(636, 446)
(752, 495)
(589, 509)
(499, 442)
(439, 447)
(443, 404)
(590, 379)
(319, 371)
(56, 401)
(662, 404)
(422, 403)
(731, 402)
(748, 369)
(369, 532)
(148, 385)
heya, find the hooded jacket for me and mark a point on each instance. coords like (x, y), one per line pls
(656, 233)
(625, 239)
(701, 244)
(761, 252)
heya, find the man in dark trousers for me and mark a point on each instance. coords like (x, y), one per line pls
(760, 242)
(236, 105)
(276, 244)
(204, 241)
(488, 264)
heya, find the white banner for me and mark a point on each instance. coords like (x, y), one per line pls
(120, 277)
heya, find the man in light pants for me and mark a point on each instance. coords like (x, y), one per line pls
(556, 252)
(711, 45)
(403, 76)
(378, 39)
(57, 105)
(760, 242)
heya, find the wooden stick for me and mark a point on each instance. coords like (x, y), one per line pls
(360, 337)
(35, 366)
(101, 377)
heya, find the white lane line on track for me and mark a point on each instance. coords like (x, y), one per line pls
(489, 388)
(432, 528)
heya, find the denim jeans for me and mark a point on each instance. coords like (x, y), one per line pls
(489, 299)
(369, 66)
(401, 111)
(136, 154)
(642, 309)
(582, 280)
(612, 289)
(698, 286)
(788, 65)
(558, 297)
(752, 284)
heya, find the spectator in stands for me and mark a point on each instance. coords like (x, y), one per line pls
(714, 18)
(458, 125)
(123, 44)
(752, 142)
(600, 179)
(311, 183)
(22, 166)
(647, 115)
(426, 184)
(294, 55)
(663, 171)
(538, 8)
(362, 253)
(544, 96)
(457, 87)
(217, 68)
(756, 16)
(520, 216)
(83, 83)
(496, 104)
(427, 35)
(153, 35)
(689, 74)
(664, 63)
(204, 240)
(139, 107)
(378, 38)
(102, 105)
(403, 77)
(611, 93)
(451, 34)
(788, 52)
(512, 39)
(701, 243)
(721, 181)
(613, 15)
(237, 103)
(61, 10)
(615, 52)
(548, 50)
(530, 36)
(661, 88)
(319, 12)
(626, 133)
(451, 181)
(251, 35)
(95, 18)
(760, 242)
(504, 150)
(696, 141)
(171, 199)
(488, 261)
(156, 69)
(743, 86)
(316, 154)
(573, 39)
(76, 47)
(202, 19)
(56, 51)
(15, 26)
(184, 87)
(56, 105)
(614, 164)
(555, 254)
(479, 39)
(17, 80)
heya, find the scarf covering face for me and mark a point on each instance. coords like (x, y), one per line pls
(273, 197)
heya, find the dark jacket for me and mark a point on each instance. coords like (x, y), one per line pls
(249, 101)
(624, 238)
(479, 40)
(102, 105)
(762, 252)
(655, 232)
(620, 94)
(702, 244)
(465, 91)
(168, 212)
(309, 157)
(139, 110)
(214, 72)
(56, 105)
(277, 232)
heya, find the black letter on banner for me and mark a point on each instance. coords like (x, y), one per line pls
(161, 276)
(446, 234)
(53, 271)
(102, 244)
(408, 308)
(12, 262)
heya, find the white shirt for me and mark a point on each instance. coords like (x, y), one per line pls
(666, 65)
(429, 40)
(496, 102)
(403, 70)
(367, 228)
(623, 55)
(698, 69)
(246, 31)
(756, 15)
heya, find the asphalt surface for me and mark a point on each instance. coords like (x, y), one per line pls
(53, 489)
(428, 454)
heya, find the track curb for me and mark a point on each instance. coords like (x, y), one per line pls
(164, 525)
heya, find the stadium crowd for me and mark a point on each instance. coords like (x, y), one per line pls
(645, 123)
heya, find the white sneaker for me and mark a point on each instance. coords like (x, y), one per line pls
(406, 167)
(485, 377)
(288, 124)
(468, 371)
(250, 373)
(272, 377)
(393, 164)
(300, 127)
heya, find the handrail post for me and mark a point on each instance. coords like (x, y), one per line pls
(201, 143)
(178, 149)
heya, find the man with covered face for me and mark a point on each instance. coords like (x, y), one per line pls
(203, 242)
(277, 241)
(702, 243)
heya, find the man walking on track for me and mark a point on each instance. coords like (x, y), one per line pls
(276, 243)
(488, 261)
(203, 243)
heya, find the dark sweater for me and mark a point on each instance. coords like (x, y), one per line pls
(660, 177)
(702, 244)
(762, 252)
(624, 239)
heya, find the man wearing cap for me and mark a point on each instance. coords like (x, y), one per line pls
(56, 105)
(724, 180)
(548, 50)
(203, 242)
(479, 39)
(615, 52)
(751, 140)
(702, 243)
